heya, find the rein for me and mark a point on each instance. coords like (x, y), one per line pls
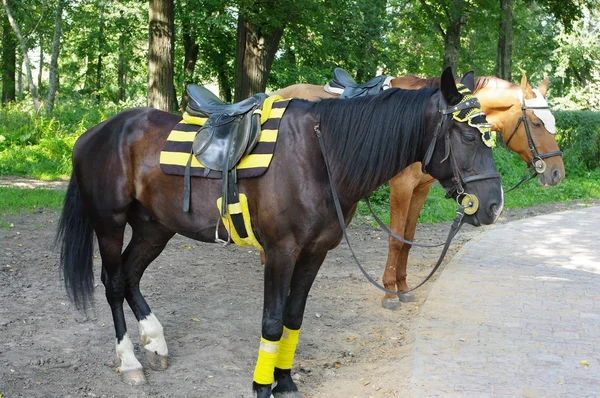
(536, 165)
(338, 209)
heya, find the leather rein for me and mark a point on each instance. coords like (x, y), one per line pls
(536, 165)
(463, 199)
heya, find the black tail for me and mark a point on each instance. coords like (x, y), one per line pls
(76, 239)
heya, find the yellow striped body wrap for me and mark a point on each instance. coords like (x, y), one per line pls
(474, 117)
(275, 354)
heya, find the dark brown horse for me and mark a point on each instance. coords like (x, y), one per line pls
(117, 181)
(504, 104)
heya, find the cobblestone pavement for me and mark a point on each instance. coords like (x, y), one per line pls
(516, 313)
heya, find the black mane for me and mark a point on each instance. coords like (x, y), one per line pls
(370, 139)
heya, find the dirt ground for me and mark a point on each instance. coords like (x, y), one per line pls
(209, 300)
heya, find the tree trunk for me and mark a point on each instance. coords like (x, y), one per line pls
(456, 18)
(41, 67)
(122, 69)
(9, 63)
(32, 90)
(224, 81)
(505, 41)
(161, 88)
(53, 78)
(99, 60)
(191, 49)
(254, 56)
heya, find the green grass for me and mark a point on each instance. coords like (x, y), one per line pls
(582, 186)
(25, 201)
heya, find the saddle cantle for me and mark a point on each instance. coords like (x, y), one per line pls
(204, 103)
(343, 84)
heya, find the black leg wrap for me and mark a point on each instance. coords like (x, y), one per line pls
(284, 381)
(261, 390)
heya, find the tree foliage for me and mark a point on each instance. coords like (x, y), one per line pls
(104, 43)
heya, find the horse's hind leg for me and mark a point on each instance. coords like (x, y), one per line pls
(147, 242)
(110, 233)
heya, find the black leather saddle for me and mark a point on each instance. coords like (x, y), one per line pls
(231, 131)
(343, 80)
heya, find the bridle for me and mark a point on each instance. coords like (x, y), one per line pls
(467, 203)
(536, 165)
(464, 112)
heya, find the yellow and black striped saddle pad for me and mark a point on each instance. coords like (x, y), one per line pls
(178, 147)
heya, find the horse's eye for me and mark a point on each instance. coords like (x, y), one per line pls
(537, 124)
(469, 137)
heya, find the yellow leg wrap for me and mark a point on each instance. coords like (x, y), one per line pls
(265, 364)
(287, 348)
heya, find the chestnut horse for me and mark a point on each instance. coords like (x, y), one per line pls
(117, 180)
(503, 104)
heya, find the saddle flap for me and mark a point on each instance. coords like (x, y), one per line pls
(222, 141)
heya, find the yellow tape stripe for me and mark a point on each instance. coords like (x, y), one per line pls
(235, 208)
(268, 136)
(189, 119)
(178, 159)
(251, 161)
(266, 108)
(181, 136)
(276, 113)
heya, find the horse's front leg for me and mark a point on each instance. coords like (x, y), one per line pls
(416, 205)
(304, 275)
(400, 199)
(279, 266)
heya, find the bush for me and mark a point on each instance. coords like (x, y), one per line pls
(40, 146)
(578, 135)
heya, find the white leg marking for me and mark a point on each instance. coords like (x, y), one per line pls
(152, 336)
(126, 355)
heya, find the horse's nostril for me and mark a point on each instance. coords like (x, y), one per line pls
(496, 209)
(556, 176)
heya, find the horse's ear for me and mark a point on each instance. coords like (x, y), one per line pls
(468, 80)
(526, 88)
(543, 88)
(448, 87)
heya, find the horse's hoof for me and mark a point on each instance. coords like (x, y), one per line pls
(407, 298)
(390, 304)
(133, 377)
(287, 394)
(155, 361)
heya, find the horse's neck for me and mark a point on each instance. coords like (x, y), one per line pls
(497, 99)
